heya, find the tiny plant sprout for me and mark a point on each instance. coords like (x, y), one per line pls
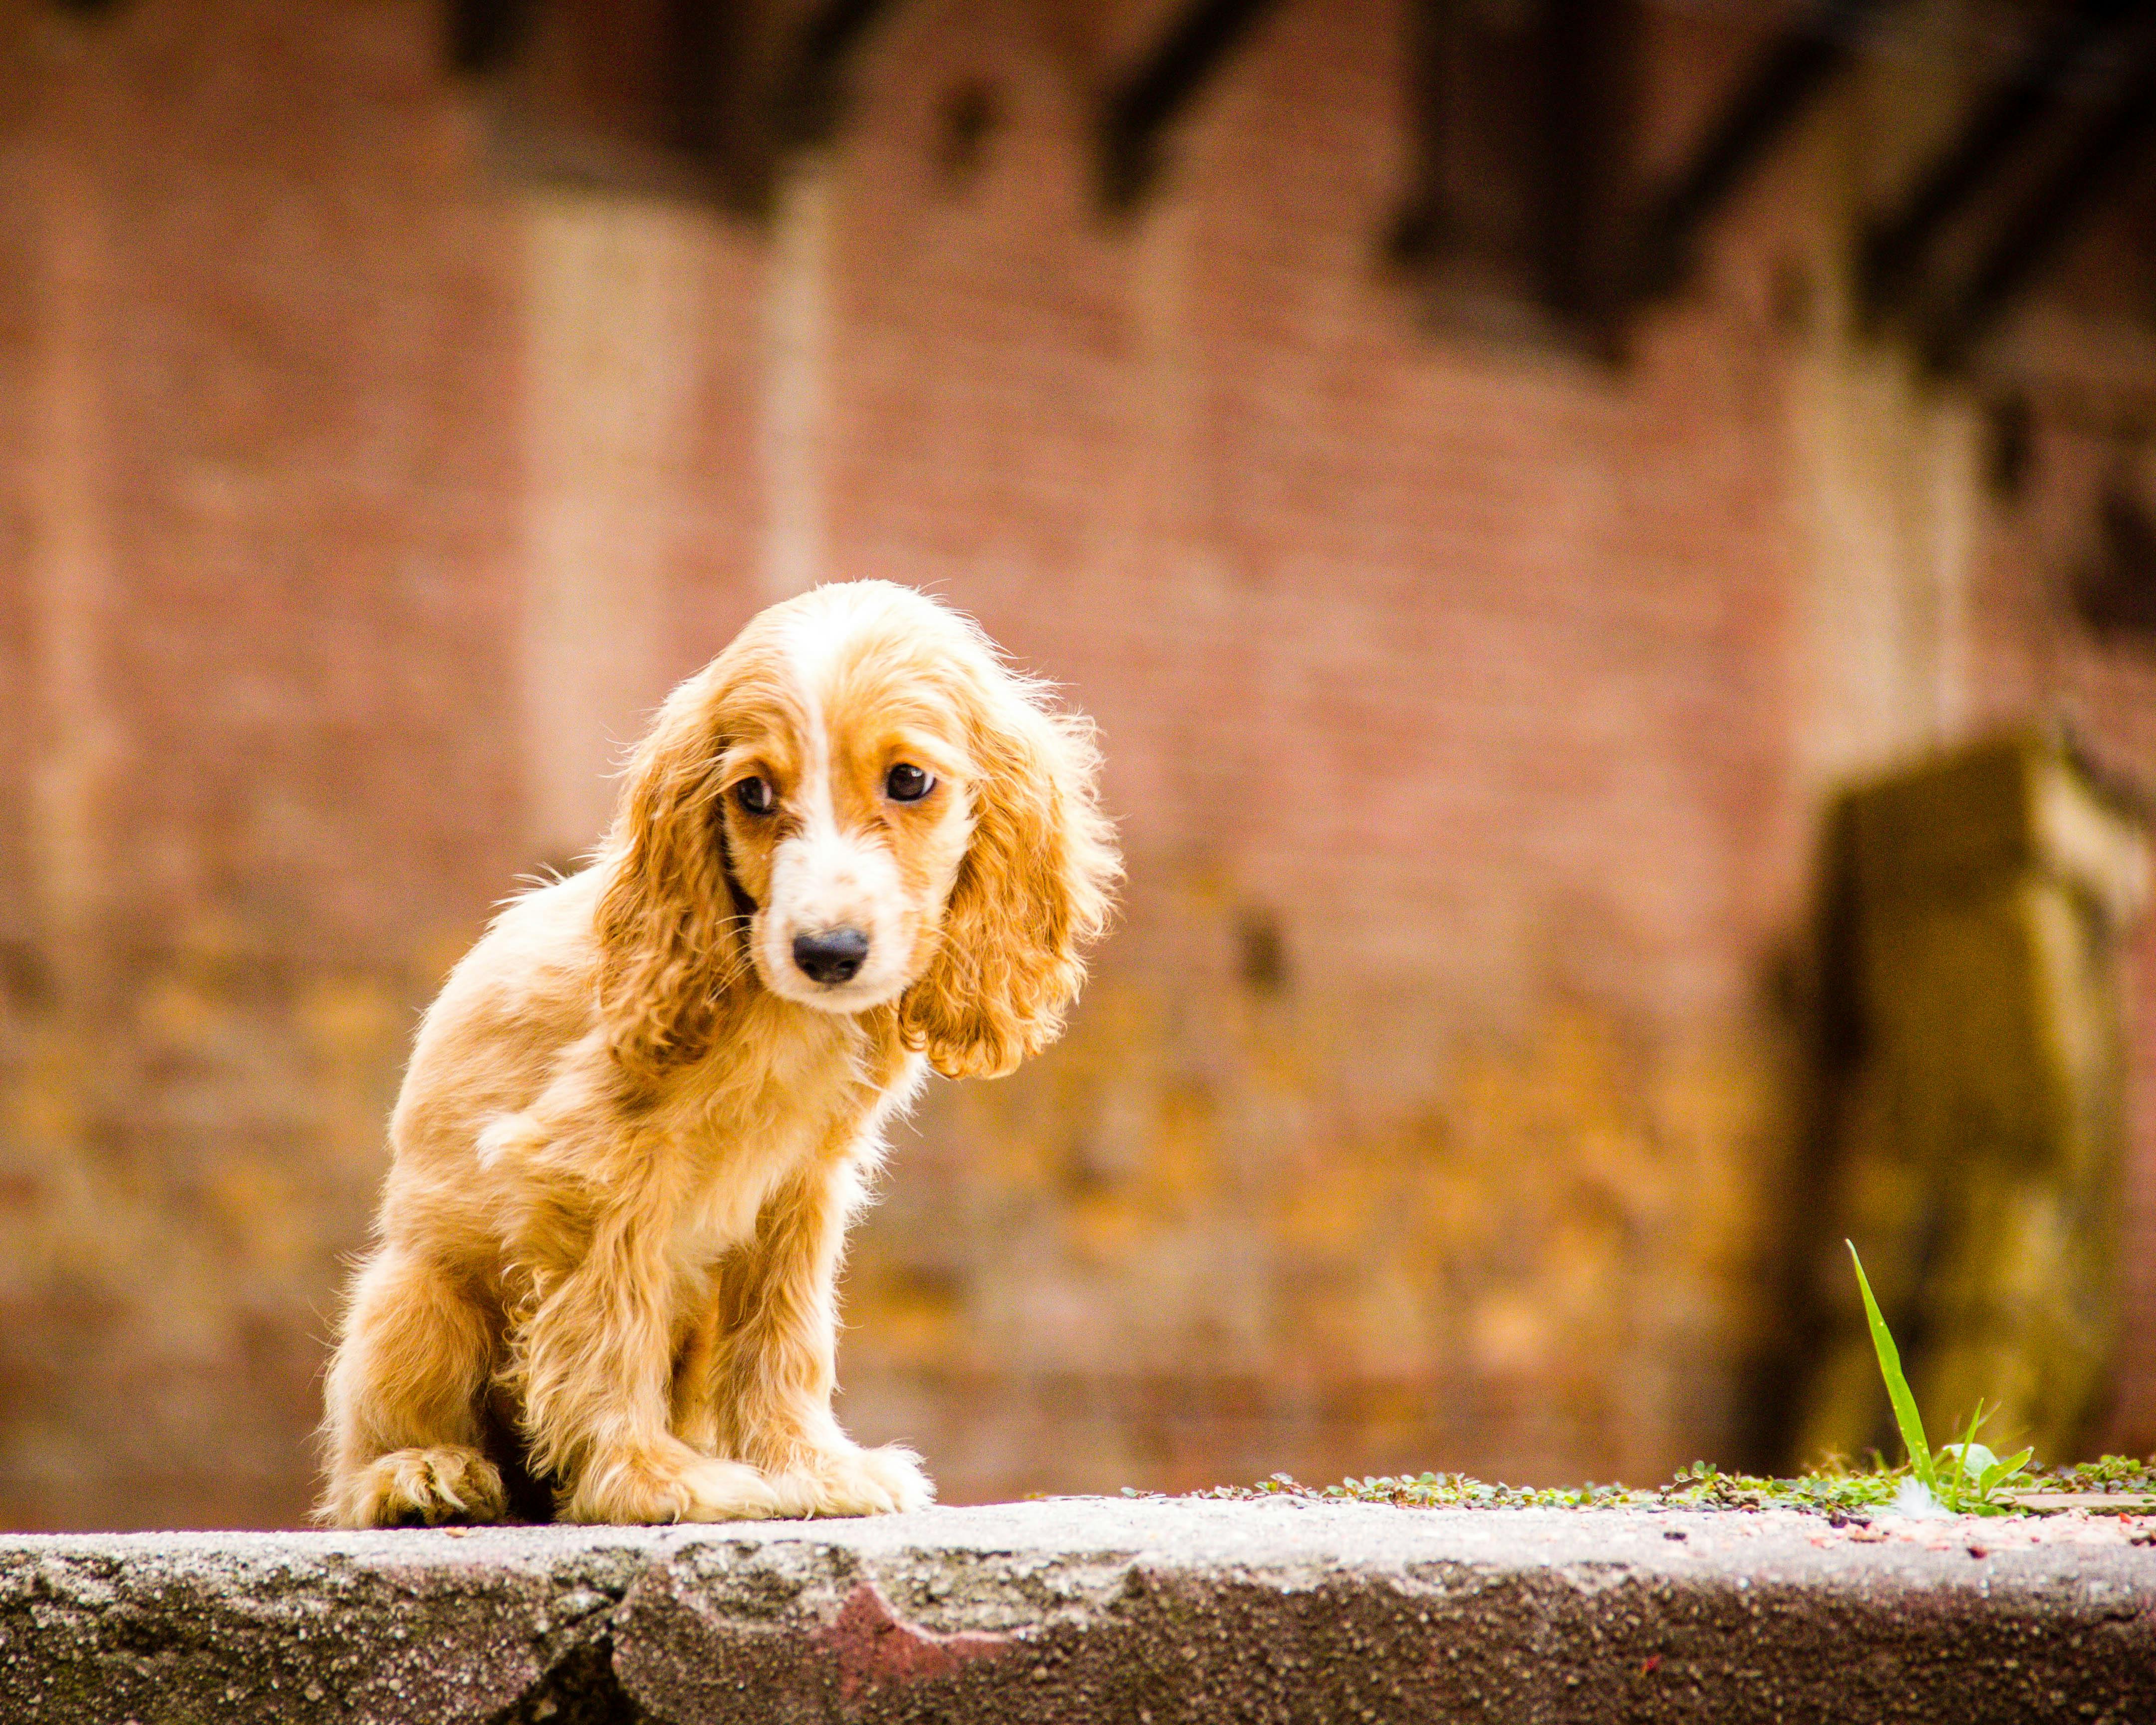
(1964, 1477)
(1897, 1386)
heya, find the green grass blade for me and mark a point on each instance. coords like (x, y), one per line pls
(1897, 1386)
(2000, 1474)
(1964, 1480)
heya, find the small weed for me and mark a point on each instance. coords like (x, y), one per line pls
(1967, 1484)
(2112, 1473)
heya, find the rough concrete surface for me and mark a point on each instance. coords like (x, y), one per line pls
(1146, 1610)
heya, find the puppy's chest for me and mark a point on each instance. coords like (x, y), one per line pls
(736, 1151)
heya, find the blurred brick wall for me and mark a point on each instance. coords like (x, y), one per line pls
(260, 476)
(1466, 710)
(1417, 1116)
(2030, 653)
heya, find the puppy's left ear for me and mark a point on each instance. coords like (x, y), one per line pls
(1034, 890)
(668, 925)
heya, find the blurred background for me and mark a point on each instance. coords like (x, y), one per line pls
(1612, 544)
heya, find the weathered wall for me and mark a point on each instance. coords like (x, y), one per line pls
(1442, 692)
(261, 481)
(1466, 710)
(1130, 1611)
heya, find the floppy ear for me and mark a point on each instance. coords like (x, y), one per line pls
(1033, 889)
(668, 922)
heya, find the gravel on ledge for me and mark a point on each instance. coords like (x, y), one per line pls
(1148, 1610)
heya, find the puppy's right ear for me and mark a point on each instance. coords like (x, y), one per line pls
(670, 934)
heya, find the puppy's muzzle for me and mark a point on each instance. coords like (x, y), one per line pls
(831, 957)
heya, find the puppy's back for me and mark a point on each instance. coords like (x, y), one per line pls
(521, 1002)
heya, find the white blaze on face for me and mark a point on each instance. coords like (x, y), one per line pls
(824, 877)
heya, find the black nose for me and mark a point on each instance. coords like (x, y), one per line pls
(833, 956)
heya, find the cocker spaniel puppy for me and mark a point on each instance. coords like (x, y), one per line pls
(645, 1106)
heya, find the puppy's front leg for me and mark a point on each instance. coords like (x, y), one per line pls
(592, 1363)
(772, 1369)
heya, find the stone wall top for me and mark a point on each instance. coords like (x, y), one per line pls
(1148, 1610)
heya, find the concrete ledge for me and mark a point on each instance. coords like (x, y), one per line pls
(1146, 1610)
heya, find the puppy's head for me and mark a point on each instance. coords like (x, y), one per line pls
(856, 805)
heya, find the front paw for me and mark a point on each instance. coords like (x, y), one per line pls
(855, 1482)
(419, 1487)
(670, 1482)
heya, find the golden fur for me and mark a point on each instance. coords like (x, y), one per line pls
(634, 1129)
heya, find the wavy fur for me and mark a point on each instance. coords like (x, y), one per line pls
(634, 1128)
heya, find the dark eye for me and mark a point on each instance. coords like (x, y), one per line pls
(906, 783)
(754, 795)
